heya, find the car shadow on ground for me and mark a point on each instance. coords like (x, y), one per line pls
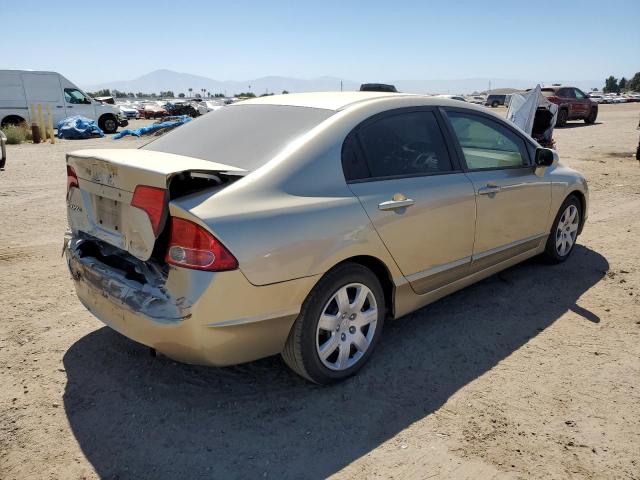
(135, 416)
(577, 124)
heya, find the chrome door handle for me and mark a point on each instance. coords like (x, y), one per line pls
(488, 190)
(395, 204)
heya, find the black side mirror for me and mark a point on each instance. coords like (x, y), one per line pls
(544, 157)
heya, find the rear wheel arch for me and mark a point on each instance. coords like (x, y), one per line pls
(381, 271)
(12, 120)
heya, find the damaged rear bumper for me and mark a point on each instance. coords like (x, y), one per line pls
(208, 318)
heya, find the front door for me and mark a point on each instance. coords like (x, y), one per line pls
(582, 102)
(77, 103)
(420, 203)
(512, 201)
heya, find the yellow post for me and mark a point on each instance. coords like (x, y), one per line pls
(45, 124)
(52, 137)
(41, 126)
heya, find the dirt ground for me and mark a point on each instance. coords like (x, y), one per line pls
(532, 373)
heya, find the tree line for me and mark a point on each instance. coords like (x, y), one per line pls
(170, 94)
(613, 85)
(163, 94)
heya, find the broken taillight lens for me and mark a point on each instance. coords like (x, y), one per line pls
(72, 179)
(191, 246)
(152, 201)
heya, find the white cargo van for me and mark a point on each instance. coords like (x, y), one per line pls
(21, 88)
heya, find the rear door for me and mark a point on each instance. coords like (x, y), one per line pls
(512, 201)
(44, 89)
(399, 166)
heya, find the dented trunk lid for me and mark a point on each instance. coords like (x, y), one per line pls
(107, 179)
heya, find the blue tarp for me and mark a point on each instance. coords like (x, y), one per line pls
(78, 128)
(152, 128)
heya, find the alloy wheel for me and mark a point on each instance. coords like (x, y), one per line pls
(347, 326)
(567, 230)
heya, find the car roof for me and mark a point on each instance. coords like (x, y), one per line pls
(324, 100)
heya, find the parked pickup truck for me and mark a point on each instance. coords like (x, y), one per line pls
(573, 104)
(19, 89)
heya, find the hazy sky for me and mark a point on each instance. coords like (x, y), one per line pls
(95, 41)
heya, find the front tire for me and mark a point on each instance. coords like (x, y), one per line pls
(593, 114)
(564, 231)
(338, 326)
(108, 124)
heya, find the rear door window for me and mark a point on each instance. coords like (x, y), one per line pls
(404, 144)
(486, 144)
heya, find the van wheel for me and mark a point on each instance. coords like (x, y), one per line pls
(338, 327)
(494, 104)
(563, 116)
(108, 124)
(593, 114)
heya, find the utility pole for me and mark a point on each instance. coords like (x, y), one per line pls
(340, 85)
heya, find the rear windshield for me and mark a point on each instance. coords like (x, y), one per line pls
(243, 136)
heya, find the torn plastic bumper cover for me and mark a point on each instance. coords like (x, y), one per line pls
(144, 294)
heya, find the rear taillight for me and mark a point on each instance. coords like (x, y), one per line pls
(553, 99)
(191, 246)
(72, 179)
(152, 201)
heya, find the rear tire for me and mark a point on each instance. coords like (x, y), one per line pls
(564, 231)
(563, 116)
(593, 114)
(494, 104)
(335, 334)
(12, 120)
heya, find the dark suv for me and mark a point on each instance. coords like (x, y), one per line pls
(495, 100)
(573, 104)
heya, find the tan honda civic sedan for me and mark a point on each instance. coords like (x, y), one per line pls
(298, 224)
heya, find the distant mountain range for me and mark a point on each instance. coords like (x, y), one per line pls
(163, 80)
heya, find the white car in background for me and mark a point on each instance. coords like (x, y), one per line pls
(452, 97)
(129, 111)
(596, 98)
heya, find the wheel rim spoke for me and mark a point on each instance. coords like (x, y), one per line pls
(327, 348)
(365, 318)
(360, 341)
(343, 355)
(343, 299)
(329, 322)
(361, 297)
